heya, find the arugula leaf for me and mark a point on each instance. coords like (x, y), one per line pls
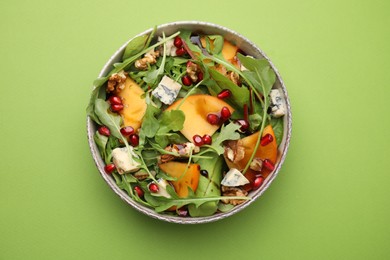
(227, 133)
(96, 93)
(214, 44)
(101, 142)
(259, 72)
(208, 186)
(277, 126)
(171, 120)
(240, 95)
(134, 46)
(112, 121)
(254, 122)
(150, 124)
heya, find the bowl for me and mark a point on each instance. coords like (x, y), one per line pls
(247, 47)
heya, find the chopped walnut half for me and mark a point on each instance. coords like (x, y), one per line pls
(183, 150)
(228, 74)
(256, 164)
(116, 81)
(149, 58)
(233, 191)
(192, 71)
(234, 151)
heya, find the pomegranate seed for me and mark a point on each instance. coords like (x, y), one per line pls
(189, 63)
(200, 76)
(178, 42)
(257, 182)
(181, 51)
(224, 94)
(115, 100)
(134, 139)
(268, 138)
(244, 125)
(213, 119)
(268, 164)
(104, 130)
(116, 107)
(207, 139)
(109, 168)
(186, 80)
(204, 173)
(127, 130)
(225, 113)
(182, 212)
(139, 191)
(198, 141)
(153, 187)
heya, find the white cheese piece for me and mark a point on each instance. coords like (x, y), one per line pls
(278, 105)
(167, 90)
(124, 160)
(169, 47)
(162, 188)
(234, 178)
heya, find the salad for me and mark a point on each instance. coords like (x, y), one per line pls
(188, 124)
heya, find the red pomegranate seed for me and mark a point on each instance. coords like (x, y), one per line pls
(134, 139)
(115, 100)
(153, 187)
(268, 138)
(189, 63)
(268, 164)
(104, 130)
(139, 191)
(178, 42)
(200, 76)
(127, 130)
(186, 80)
(181, 51)
(213, 119)
(225, 113)
(224, 94)
(116, 107)
(198, 141)
(207, 139)
(257, 182)
(244, 125)
(182, 212)
(109, 168)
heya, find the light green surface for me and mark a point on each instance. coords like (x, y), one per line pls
(331, 199)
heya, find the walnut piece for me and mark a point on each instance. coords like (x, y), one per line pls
(183, 150)
(234, 77)
(192, 71)
(234, 151)
(148, 59)
(233, 191)
(116, 81)
(256, 164)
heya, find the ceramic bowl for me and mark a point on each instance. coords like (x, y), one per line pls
(247, 47)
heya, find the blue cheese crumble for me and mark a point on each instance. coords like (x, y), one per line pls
(167, 90)
(234, 178)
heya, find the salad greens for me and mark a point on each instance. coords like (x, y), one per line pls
(171, 147)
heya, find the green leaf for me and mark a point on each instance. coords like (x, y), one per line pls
(277, 126)
(171, 120)
(254, 122)
(208, 186)
(217, 44)
(240, 95)
(227, 133)
(112, 121)
(101, 142)
(259, 72)
(135, 46)
(150, 124)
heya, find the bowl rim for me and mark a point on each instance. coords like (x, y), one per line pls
(191, 220)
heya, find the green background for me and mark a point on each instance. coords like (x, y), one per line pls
(330, 200)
